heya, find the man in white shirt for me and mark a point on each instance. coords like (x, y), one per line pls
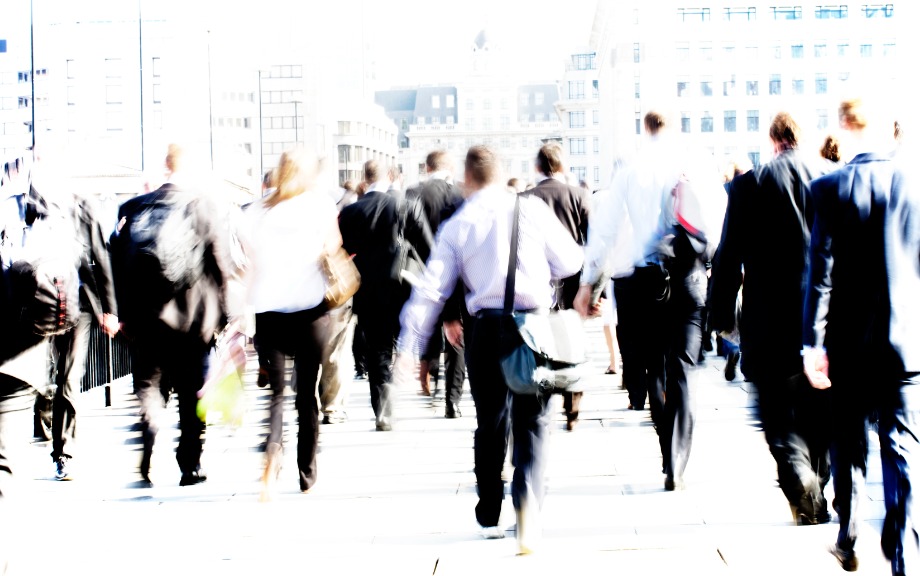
(474, 246)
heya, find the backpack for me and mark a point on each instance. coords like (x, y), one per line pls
(156, 252)
(41, 282)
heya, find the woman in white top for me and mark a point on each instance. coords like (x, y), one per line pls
(286, 233)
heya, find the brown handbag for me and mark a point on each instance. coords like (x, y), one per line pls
(341, 275)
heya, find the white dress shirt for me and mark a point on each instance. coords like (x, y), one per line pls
(474, 246)
(283, 245)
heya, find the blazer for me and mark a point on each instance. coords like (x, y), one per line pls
(97, 289)
(861, 302)
(764, 247)
(571, 205)
(436, 197)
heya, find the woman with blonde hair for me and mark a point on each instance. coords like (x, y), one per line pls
(285, 234)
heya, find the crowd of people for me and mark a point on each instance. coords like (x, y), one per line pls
(825, 252)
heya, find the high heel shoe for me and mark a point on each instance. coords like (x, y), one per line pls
(271, 472)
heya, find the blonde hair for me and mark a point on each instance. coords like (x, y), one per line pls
(296, 173)
(174, 157)
(852, 113)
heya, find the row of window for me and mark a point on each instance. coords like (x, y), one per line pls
(448, 101)
(577, 118)
(527, 99)
(356, 154)
(361, 128)
(704, 52)
(577, 146)
(282, 96)
(752, 87)
(113, 67)
(577, 90)
(247, 122)
(822, 12)
(283, 71)
(730, 121)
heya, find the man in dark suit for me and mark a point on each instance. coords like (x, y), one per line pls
(794, 415)
(369, 232)
(861, 305)
(170, 340)
(570, 204)
(437, 197)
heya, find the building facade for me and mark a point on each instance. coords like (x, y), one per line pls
(363, 132)
(721, 71)
(579, 112)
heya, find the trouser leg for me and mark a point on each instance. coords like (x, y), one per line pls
(849, 455)
(454, 373)
(629, 333)
(72, 349)
(188, 377)
(307, 361)
(331, 391)
(530, 430)
(379, 333)
(679, 403)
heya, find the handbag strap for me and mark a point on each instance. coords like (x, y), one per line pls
(512, 258)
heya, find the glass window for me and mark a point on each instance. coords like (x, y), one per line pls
(683, 88)
(787, 12)
(71, 69)
(742, 14)
(683, 51)
(576, 146)
(449, 101)
(753, 120)
(576, 89)
(835, 12)
(435, 101)
(486, 104)
(595, 89)
(597, 174)
(798, 86)
(878, 10)
(728, 86)
(728, 52)
(798, 51)
(685, 122)
(636, 54)
(113, 94)
(469, 103)
(843, 50)
(778, 52)
(157, 94)
(751, 88)
(638, 126)
(637, 91)
(113, 67)
(706, 122)
(706, 88)
(776, 85)
(595, 117)
(820, 83)
(820, 50)
(577, 119)
(693, 14)
(504, 123)
(706, 51)
(821, 115)
(754, 157)
(865, 50)
(156, 66)
(597, 145)
(538, 98)
(729, 121)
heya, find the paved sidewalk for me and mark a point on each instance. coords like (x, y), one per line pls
(402, 502)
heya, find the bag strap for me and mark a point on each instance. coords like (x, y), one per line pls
(512, 258)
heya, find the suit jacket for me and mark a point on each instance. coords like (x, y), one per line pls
(97, 289)
(369, 233)
(764, 246)
(862, 301)
(571, 206)
(436, 197)
(201, 308)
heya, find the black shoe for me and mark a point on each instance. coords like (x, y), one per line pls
(194, 477)
(360, 375)
(452, 411)
(671, 484)
(61, 468)
(731, 365)
(262, 380)
(847, 558)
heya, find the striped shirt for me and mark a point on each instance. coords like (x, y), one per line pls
(474, 246)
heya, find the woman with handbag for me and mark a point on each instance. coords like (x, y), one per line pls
(286, 236)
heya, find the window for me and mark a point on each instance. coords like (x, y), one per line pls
(583, 61)
(835, 12)
(843, 50)
(706, 51)
(114, 121)
(776, 85)
(637, 91)
(576, 89)
(685, 122)
(683, 88)
(157, 94)
(595, 89)
(504, 123)
(821, 115)
(741, 14)
(597, 145)
(71, 69)
(778, 52)
(576, 146)
(580, 172)
(487, 123)
(888, 50)
(683, 51)
(113, 67)
(728, 86)
(706, 88)
(595, 117)
(820, 83)
(449, 101)
(469, 103)
(798, 86)
(503, 103)
(113, 94)
(798, 51)
(597, 174)
(706, 122)
(23, 102)
(878, 10)
(728, 52)
(486, 104)
(753, 120)
(577, 119)
(865, 50)
(787, 12)
(538, 99)
(693, 14)
(450, 120)
(750, 53)
(729, 123)
(344, 127)
(751, 88)
(435, 101)
(754, 157)
(638, 125)
(637, 56)
(469, 125)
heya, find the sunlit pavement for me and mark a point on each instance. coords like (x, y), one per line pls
(402, 502)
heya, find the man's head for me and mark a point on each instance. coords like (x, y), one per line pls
(549, 159)
(175, 158)
(784, 132)
(437, 161)
(654, 122)
(481, 167)
(371, 171)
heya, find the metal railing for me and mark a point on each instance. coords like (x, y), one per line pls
(107, 359)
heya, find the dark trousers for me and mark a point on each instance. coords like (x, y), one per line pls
(359, 348)
(380, 328)
(302, 336)
(897, 401)
(16, 400)
(70, 349)
(660, 345)
(796, 419)
(162, 360)
(497, 411)
(454, 366)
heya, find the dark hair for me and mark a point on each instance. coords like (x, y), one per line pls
(371, 171)
(549, 158)
(481, 165)
(437, 160)
(267, 178)
(654, 121)
(831, 149)
(784, 130)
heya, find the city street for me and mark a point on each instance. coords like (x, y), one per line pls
(402, 502)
